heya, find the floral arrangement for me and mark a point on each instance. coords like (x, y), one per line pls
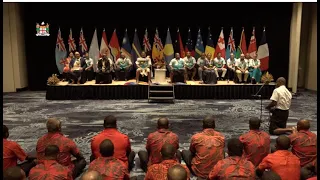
(53, 80)
(267, 78)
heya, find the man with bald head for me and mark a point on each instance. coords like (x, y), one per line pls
(104, 70)
(91, 175)
(177, 172)
(177, 68)
(123, 64)
(282, 161)
(67, 148)
(159, 171)
(107, 165)
(49, 168)
(77, 68)
(14, 173)
(242, 69)
(304, 142)
(206, 149)
(155, 142)
(121, 142)
(279, 107)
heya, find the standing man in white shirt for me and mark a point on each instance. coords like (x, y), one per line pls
(177, 65)
(220, 64)
(190, 63)
(279, 107)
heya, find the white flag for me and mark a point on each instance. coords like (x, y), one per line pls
(94, 50)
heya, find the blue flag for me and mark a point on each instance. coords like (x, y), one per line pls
(168, 48)
(231, 48)
(60, 52)
(136, 48)
(199, 46)
(126, 47)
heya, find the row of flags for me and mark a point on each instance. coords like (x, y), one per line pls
(158, 50)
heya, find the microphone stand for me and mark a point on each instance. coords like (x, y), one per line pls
(259, 96)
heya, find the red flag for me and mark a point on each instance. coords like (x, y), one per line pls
(114, 47)
(181, 52)
(189, 44)
(252, 50)
(243, 44)
(221, 46)
(104, 44)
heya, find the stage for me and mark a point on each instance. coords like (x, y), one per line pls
(190, 90)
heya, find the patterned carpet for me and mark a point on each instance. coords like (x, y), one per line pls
(25, 114)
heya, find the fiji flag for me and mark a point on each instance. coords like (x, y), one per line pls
(61, 52)
(199, 46)
(126, 47)
(136, 48)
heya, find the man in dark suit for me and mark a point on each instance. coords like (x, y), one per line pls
(104, 69)
(77, 67)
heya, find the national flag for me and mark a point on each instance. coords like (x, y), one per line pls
(168, 48)
(82, 43)
(126, 47)
(71, 43)
(263, 52)
(60, 52)
(189, 44)
(114, 47)
(221, 46)
(231, 48)
(209, 47)
(243, 44)
(136, 48)
(199, 49)
(104, 45)
(157, 47)
(146, 44)
(179, 45)
(94, 53)
(252, 50)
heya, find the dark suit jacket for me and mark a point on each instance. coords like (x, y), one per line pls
(108, 65)
(83, 63)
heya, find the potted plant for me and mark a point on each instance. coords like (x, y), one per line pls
(53, 80)
(267, 78)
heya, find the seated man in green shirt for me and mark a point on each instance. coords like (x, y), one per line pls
(190, 63)
(220, 64)
(123, 64)
(177, 65)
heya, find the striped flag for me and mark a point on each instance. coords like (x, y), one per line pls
(104, 45)
(231, 48)
(157, 47)
(252, 50)
(146, 44)
(114, 47)
(94, 53)
(168, 48)
(209, 47)
(60, 52)
(82, 43)
(263, 52)
(126, 47)
(71, 43)
(199, 49)
(136, 48)
(221, 46)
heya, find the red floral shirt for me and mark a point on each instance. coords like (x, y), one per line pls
(110, 168)
(50, 170)
(12, 151)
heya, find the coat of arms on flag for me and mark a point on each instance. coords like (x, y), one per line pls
(42, 29)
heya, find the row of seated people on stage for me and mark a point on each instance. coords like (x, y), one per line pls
(80, 69)
(249, 156)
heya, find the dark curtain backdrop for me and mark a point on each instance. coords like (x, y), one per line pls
(40, 51)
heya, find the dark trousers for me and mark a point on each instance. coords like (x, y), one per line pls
(79, 165)
(130, 157)
(103, 78)
(89, 74)
(191, 72)
(75, 76)
(187, 156)
(27, 166)
(126, 72)
(278, 119)
(144, 159)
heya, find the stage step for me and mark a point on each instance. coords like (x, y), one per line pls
(161, 93)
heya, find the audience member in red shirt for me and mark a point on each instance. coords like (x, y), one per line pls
(282, 161)
(108, 166)
(235, 166)
(155, 142)
(12, 151)
(256, 142)
(121, 142)
(304, 143)
(14, 173)
(49, 168)
(206, 149)
(160, 171)
(177, 172)
(91, 175)
(66, 146)
(270, 175)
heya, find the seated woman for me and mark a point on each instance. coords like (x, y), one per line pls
(104, 70)
(254, 70)
(177, 67)
(143, 67)
(209, 73)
